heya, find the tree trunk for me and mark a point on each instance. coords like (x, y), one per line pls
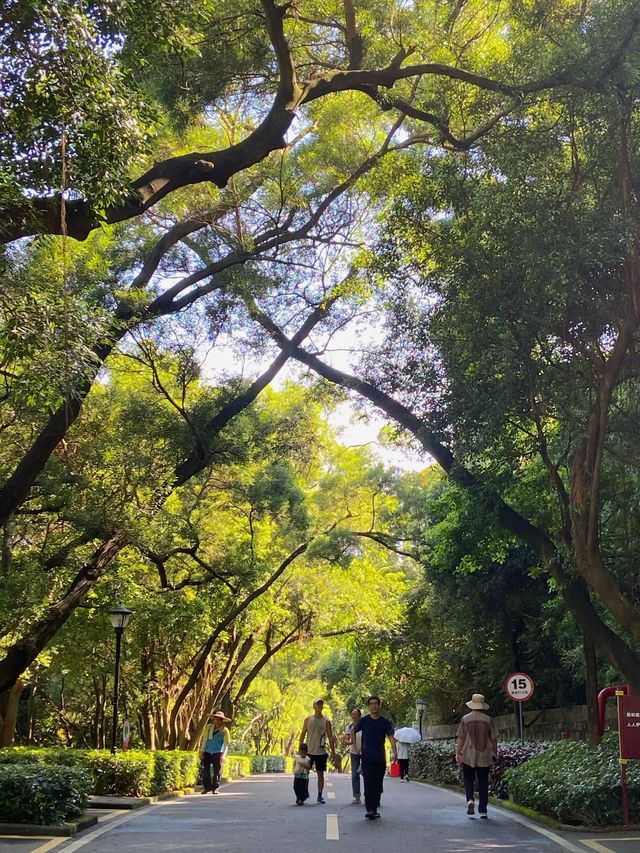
(226, 622)
(591, 670)
(10, 715)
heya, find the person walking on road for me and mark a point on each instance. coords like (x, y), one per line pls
(301, 766)
(214, 751)
(316, 730)
(375, 729)
(476, 747)
(402, 751)
(355, 742)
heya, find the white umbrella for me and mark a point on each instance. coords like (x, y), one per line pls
(407, 735)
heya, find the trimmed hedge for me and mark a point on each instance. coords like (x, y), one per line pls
(49, 784)
(33, 793)
(271, 763)
(173, 770)
(577, 783)
(135, 773)
(236, 766)
(435, 762)
(127, 775)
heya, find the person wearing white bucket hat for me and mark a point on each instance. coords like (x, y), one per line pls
(476, 747)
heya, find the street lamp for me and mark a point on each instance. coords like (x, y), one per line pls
(420, 708)
(119, 619)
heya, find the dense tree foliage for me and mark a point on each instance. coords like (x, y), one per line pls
(446, 189)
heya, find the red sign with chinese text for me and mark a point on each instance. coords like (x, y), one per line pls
(629, 722)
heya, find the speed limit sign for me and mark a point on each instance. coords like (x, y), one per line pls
(519, 686)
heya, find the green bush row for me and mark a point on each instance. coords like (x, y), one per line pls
(42, 795)
(44, 786)
(575, 782)
(236, 766)
(135, 773)
(435, 762)
(268, 764)
(138, 773)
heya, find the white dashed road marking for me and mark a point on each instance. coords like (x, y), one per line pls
(333, 833)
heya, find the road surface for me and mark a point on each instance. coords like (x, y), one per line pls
(259, 815)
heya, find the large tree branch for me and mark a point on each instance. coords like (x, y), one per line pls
(25, 650)
(19, 656)
(235, 611)
(43, 215)
(176, 298)
(573, 589)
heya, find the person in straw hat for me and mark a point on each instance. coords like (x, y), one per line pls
(476, 747)
(216, 744)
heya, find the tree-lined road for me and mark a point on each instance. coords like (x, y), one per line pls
(259, 815)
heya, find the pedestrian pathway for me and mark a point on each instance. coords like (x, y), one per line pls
(259, 815)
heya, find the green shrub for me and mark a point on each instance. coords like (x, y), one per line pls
(127, 774)
(173, 770)
(166, 771)
(189, 767)
(237, 766)
(511, 754)
(42, 795)
(21, 755)
(435, 762)
(576, 782)
(275, 764)
(258, 763)
(268, 764)
(134, 773)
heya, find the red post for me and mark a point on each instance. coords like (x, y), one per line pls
(625, 793)
(623, 758)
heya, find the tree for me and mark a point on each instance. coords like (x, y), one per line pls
(226, 571)
(478, 81)
(517, 333)
(360, 48)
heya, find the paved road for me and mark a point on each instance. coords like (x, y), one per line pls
(259, 815)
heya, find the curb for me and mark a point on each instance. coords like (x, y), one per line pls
(65, 830)
(72, 827)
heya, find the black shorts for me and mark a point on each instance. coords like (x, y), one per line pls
(319, 762)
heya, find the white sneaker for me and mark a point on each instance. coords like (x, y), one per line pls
(355, 801)
(470, 807)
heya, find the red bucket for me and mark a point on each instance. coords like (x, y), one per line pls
(394, 770)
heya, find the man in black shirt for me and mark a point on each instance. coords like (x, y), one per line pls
(375, 729)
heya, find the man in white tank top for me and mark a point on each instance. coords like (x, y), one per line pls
(316, 730)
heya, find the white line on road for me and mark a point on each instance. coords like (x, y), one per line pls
(559, 840)
(542, 831)
(595, 845)
(93, 834)
(333, 833)
(331, 795)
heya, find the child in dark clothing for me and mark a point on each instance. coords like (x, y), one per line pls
(301, 767)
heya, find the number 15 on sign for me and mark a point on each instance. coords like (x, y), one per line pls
(519, 686)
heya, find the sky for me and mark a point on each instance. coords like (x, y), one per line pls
(354, 429)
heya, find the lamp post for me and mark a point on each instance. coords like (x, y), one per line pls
(420, 708)
(119, 619)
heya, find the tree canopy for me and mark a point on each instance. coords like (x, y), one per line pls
(449, 188)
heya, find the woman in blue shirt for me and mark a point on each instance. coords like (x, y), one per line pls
(213, 752)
